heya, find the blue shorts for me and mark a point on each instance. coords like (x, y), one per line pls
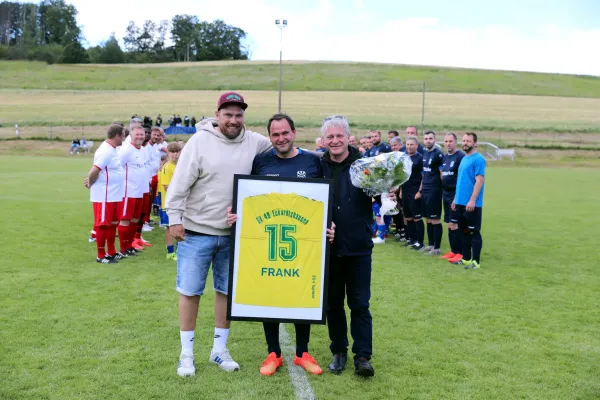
(194, 257)
(164, 218)
(376, 209)
(157, 199)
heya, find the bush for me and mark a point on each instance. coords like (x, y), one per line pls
(50, 54)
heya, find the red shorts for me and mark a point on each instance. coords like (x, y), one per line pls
(130, 208)
(105, 213)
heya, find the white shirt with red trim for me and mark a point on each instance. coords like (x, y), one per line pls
(109, 187)
(154, 151)
(133, 160)
(147, 149)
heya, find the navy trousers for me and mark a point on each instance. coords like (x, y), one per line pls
(351, 277)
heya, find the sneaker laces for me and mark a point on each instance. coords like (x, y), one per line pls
(225, 356)
(308, 357)
(272, 357)
(186, 361)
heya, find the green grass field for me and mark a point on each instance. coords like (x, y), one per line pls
(365, 110)
(297, 76)
(525, 326)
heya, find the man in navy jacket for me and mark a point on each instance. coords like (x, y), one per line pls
(350, 263)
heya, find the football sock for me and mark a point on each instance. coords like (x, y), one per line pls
(410, 231)
(187, 342)
(272, 337)
(131, 234)
(101, 232)
(454, 240)
(438, 232)
(220, 341)
(171, 249)
(123, 237)
(381, 229)
(420, 231)
(138, 228)
(466, 245)
(430, 234)
(111, 234)
(302, 338)
(476, 244)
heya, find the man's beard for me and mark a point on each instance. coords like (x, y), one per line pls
(429, 145)
(231, 132)
(467, 149)
(376, 143)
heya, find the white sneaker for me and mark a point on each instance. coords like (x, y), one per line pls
(426, 249)
(378, 240)
(147, 228)
(91, 239)
(186, 365)
(224, 361)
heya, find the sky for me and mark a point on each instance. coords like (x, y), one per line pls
(525, 35)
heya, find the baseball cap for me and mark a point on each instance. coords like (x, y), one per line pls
(231, 98)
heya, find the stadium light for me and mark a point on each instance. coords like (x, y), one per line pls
(280, 24)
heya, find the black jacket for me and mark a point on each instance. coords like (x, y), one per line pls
(352, 209)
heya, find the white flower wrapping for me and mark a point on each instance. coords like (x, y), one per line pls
(380, 174)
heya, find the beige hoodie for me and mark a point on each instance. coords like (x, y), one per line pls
(201, 189)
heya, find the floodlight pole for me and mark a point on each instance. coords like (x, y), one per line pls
(280, 25)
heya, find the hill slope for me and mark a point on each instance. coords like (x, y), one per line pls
(298, 76)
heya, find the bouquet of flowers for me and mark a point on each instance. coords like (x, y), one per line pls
(380, 174)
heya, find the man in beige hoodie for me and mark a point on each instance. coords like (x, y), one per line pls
(199, 196)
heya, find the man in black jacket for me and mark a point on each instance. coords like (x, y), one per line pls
(350, 264)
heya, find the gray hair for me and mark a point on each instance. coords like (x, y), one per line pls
(335, 120)
(412, 139)
(397, 140)
(135, 122)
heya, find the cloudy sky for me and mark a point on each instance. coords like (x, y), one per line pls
(531, 35)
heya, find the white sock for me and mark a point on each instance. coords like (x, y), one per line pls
(220, 342)
(187, 342)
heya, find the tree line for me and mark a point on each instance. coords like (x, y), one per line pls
(48, 32)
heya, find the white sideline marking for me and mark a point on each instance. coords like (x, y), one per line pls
(303, 389)
(15, 198)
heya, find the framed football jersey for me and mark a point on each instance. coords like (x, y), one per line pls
(279, 263)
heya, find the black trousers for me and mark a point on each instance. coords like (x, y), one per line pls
(350, 276)
(272, 337)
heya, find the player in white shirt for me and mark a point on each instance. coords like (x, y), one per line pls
(159, 147)
(106, 183)
(138, 242)
(133, 159)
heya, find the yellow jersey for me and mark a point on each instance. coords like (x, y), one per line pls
(164, 178)
(281, 251)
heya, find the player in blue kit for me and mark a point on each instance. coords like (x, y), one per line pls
(450, 166)
(286, 161)
(412, 131)
(431, 194)
(411, 205)
(468, 201)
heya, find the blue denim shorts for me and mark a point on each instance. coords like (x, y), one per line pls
(194, 257)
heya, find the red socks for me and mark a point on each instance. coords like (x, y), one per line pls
(101, 234)
(123, 237)
(111, 234)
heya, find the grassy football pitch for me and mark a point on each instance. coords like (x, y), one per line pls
(524, 326)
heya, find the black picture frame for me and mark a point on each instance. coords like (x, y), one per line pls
(236, 179)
